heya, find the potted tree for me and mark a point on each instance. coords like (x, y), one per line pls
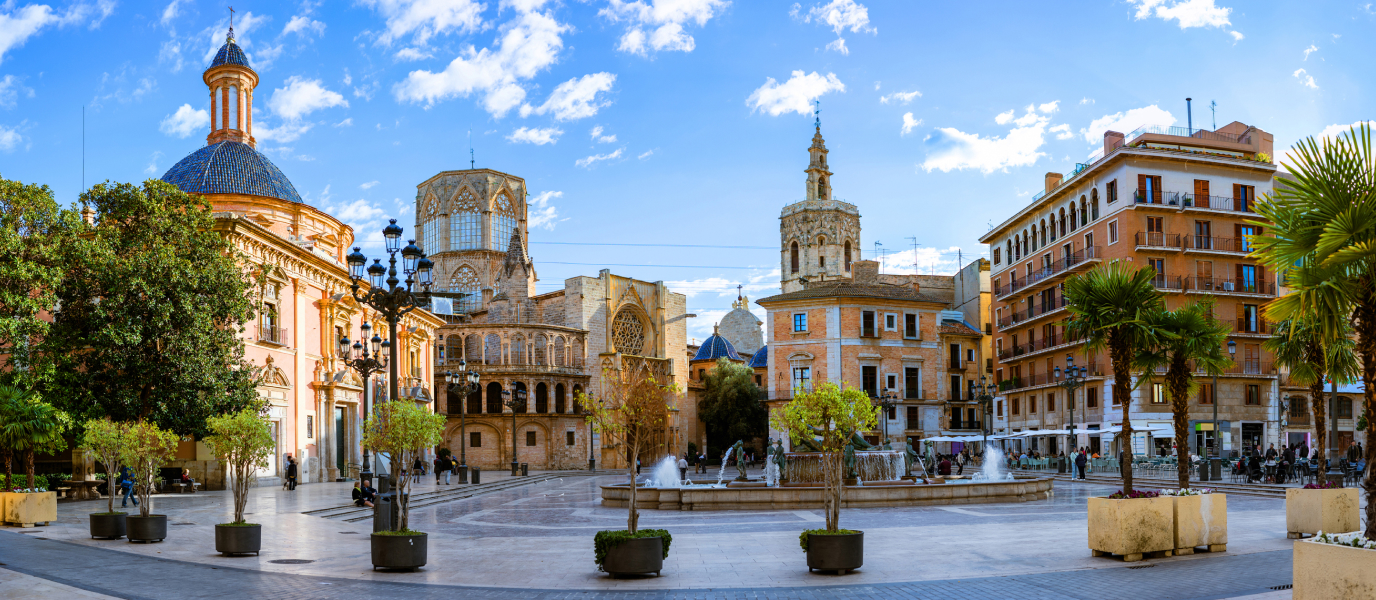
(243, 441)
(633, 414)
(832, 414)
(401, 430)
(28, 425)
(148, 446)
(107, 441)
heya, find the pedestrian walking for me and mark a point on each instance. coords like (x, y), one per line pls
(417, 468)
(441, 466)
(291, 474)
(126, 481)
(637, 466)
(286, 460)
(683, 468)
(1080, 461)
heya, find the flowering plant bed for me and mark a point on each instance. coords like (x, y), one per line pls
(1187, 492)
(1119, 495)
(1327, 485)
(1334, 566)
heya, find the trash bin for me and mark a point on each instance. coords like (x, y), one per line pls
(1060, 465)
(1217, 469)
(1204, 470)
(386, 511)
(477, 475)
(515, 468)
(525, 469)
(463, 473)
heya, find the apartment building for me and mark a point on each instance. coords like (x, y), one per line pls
(1180, 201)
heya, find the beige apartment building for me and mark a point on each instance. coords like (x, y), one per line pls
(1176, 200)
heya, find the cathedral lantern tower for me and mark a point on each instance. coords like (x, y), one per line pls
(231, 82)
(819, 236)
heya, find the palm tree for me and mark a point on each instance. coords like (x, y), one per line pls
(1186, 335)
(1107, 307)
(1299, 346)
(28, 425)
(1323, 224)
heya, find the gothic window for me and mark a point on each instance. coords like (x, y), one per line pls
(430, 227)
(465, 223)
(628, 332)
(793, 257)
(503, 222)
(821, 188)
(465, 281)
(847, 251)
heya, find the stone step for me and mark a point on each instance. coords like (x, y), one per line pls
(351, 513)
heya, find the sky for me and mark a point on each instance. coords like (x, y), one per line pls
(661, 138)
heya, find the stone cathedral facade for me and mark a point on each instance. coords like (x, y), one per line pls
(552, 346)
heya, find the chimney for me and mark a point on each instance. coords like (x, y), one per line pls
(1189, 118)
(1113, 140)
(1053, 180)
(866, 271)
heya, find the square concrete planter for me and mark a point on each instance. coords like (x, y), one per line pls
(1312, 511)
(1329, 572)
(1131, 528)
(1201, 521)
(27, 509)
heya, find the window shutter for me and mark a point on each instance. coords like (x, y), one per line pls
(1238, 242)
(1239, 276)
(1261, 279)
(1156, 189)
(1142, 185)
(1241, 315)
(1237, 197)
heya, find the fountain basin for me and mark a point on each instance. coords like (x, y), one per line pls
(1022, 489)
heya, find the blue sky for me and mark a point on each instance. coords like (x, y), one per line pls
(681, 122)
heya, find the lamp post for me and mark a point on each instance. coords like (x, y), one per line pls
(465, 382)
(372, 358)
(514, 401)
(984, 393)
(1073, 379)
(1218, 435)
(887, 401)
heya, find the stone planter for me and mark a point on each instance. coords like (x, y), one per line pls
(26, 509)
(399, 551)
(238, 539)
(1312, 511)
(152, 528)
(841, 553)
(107, 526)
(636, 556)
(1201, 521)
(1131, 528)
(1329, 572)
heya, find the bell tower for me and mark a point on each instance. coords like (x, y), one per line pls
(819, 236)
(231, 81)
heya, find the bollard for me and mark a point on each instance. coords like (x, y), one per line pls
(525, 469)
(477, 475)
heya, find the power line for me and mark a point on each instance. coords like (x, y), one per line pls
(550, 262)
(660, 245)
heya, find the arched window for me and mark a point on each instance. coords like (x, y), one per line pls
(494, 398)
(628, 332)
(541, 398)
(465, 222)
(1011, 257)
(541, 350)
(559, 398)
(793, 257)
(1073, 220)
(1094, 204)
(577, 406)
(517, 351)
(464, 280)
(492, 349)
(821, 252)
(215, 105)
(524, 407)
(1062, 219)
(233, 104)
(1042, 241)
(475, 402)
(847, 251)
(430, 226)
(503, 222)
(1084, 212)
(559, 353)
(822, 188)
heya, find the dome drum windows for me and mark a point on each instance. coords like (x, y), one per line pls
(503, 222)
(465, 281)
(465, 222)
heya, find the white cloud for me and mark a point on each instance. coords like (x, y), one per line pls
(186, 121)
(1086, 100)
(541, 214)
(360, 214)
(909, 123)
(1237, 36)
(523, 5)
(424, 19)
(170, 13)
(840, 15)
(1305, 78)
(900, 97)
(1310, 50)
(412, 54)
(926, 261)
(303, 96)
(664, 19)
(287, 132)
(304, 26)
(1333, 131)
(1125, 122)
(588, 162)
(9, 138)
(367, 90)
(152, 168)
(602, 139)
(839, 45)
(17, 25)
(349, 122)
(1062, 132)
(951, 149)
(1188, 13)
(1049, 107)
(11, 89)
(574, 99)
(646, 154)
(525, 47)
(794, 95)
(369, 185)
(539, 137)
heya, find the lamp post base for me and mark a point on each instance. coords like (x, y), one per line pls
(515, 468)
(592, 464)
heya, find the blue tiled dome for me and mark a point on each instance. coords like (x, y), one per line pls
(761, 358)
(230, 54)
(231, 168)
(716, 347)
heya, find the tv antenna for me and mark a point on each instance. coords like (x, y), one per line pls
(471, 161)
(914, 240)
(1213, 110)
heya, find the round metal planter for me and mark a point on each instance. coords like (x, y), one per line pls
(152, 528)
(399, 551)
(840, 553)
(238, 539)
(636, 556)
(107, 526)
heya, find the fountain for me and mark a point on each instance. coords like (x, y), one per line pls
(992, 470)
(721, 475)
(665, 474)
(872, 466)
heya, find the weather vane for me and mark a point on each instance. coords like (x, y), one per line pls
(817, 112)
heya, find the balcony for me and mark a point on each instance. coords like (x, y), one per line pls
(1158, 241)
(1198, 134)
(1167, 283)
(1033, 312)
(272, 335)
(1220, 285)
(1078, 259)
(1191, 201)
(1255, 326)
(1221, 245)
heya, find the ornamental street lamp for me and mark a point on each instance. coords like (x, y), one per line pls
(1073, 379)
(1218, 435)
(514, 401)
(887, 402)
(592, 459)
(367, 360)
(465, 383)
(984, 393)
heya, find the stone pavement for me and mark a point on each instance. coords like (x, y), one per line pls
(520, 541)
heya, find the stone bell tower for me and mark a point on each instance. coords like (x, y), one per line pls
(819, 236)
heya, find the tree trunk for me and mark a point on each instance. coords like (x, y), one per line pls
(1178, 382)
(633, 515)
(1364, 317)
(28, 468)
(7, 455)
(1121, 353)
(1320, 411)
(834, 481)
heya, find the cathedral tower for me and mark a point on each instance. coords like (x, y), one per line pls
(819, 236)
(231, 82)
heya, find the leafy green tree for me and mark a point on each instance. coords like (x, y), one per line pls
(28, 425)
(243, 441)
(151, 313)
(632, 413)
(730, 406)
(148, 446)
(1323, 226)
(108, 442)
(401, 429)
(1299, 346)
(1108, 307)
(834, 414)
(1184, 340)
(33, 229)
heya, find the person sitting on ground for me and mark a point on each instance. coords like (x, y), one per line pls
(364, 496)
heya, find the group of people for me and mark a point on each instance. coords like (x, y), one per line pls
(945, 462)
(1273, 466)
(444, 465)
